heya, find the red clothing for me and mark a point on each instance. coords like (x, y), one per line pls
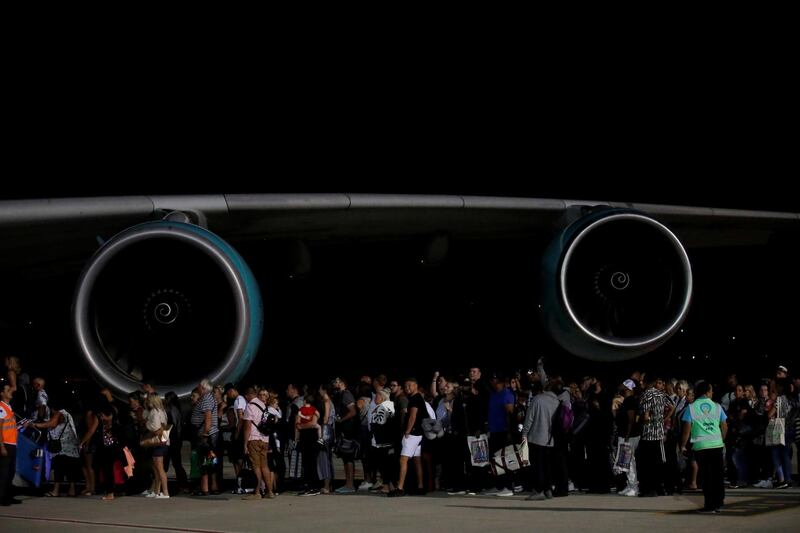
(308, 411)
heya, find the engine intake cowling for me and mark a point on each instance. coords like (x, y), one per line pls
(615, 284)
(166, 303)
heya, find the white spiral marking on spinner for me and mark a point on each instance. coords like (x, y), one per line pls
(620, 280)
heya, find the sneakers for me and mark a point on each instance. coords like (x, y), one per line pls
(365, 485)
(548, 494)
(490, 492)
(309, 492)
(708, 511)
(505, 492)
(629, 492)
(147, 492)
(151, 495)
(571, 487)
(536, 496)
(782, 485)
(764, 484)
(396, 493)
(518, 489)
(238, 490)
(345, 490)
(456, 492)
(162, 496)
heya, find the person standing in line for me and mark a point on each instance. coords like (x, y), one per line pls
(8, 446)
(412, 438)
(704, 422)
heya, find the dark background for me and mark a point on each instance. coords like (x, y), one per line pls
(710, 131)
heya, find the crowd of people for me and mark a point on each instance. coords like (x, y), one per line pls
(641, 436)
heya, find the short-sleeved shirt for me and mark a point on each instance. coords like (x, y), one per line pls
(240, 403)
(205, 403)
(252, 415)
(631, 403)
(498, 417)
(343, 400)
(656, 402)
(422, 413)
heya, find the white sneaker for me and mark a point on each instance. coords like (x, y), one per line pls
(147, 492)
(151, 495)
(571, 487)
(767, 484)
(365, 485)
(518, 489)
(629, 492)
(162, 496)
(505, 492)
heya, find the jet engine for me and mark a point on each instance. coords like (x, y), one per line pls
(166, 303)
(615, 285)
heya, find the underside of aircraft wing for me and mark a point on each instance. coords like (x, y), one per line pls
(155, 276)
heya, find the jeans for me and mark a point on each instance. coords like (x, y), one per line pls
(633, 482)
(740, 460)
(782, 461)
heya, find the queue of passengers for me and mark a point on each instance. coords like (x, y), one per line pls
(642, 436)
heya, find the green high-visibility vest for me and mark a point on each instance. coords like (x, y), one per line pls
(706, 432)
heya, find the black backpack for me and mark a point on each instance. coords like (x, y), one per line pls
(268, 422)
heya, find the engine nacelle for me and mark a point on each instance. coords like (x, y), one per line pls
(615, 284)
(167, 303)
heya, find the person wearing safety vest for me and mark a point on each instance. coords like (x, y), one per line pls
(8, 446)
(704, 422)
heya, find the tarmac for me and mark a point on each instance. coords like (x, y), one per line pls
(745, 510)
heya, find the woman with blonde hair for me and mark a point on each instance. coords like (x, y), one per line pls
(156, 424)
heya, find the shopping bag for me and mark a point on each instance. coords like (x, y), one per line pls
(479, 449)
(622, 461)
(30, 457)
(776, 432)
(194, 471)
(511, 458)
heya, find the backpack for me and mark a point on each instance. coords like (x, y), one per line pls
(562, 420)
(266, 426)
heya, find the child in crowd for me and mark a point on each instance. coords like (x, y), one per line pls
(305, 415)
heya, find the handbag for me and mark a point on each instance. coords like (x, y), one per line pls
(347, 446)
(54, 445)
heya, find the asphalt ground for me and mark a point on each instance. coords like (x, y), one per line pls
(745, 510)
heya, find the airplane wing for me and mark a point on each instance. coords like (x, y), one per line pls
(159, 283)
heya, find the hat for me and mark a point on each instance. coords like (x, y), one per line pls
(629, 384)
(782, 368)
